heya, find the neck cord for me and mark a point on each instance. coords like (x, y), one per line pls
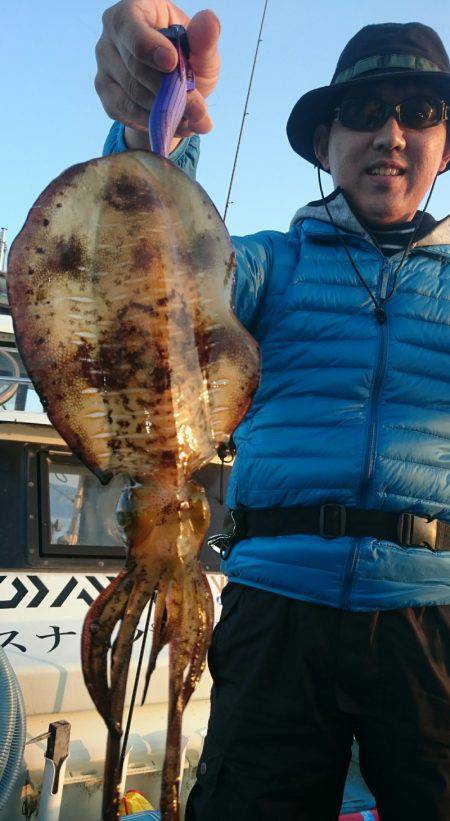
(410, 243)
(379, 311)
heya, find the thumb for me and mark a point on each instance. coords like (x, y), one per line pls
(203, 33)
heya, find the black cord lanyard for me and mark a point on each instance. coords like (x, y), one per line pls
(379, 309)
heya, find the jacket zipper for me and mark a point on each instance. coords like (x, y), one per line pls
(372, 437)
(377, 382)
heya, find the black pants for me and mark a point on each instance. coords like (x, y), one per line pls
(293, 682)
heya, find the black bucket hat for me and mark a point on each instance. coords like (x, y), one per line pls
(386, 51)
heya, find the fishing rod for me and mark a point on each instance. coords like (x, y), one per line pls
(228, 200)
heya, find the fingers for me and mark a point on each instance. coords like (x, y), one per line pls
(203, 34)
(132, 57)
(201, 125)
(133, 26)
(127, 99)
(196, 113)
(136, 79)
(194, 126)
(118, 105)
(128, 91)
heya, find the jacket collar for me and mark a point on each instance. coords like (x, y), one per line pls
(319, 223)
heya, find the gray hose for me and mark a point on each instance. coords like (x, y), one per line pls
(12, 728)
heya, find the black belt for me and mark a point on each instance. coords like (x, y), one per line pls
(332, 521)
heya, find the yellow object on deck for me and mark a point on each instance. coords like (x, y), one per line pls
(133, 801)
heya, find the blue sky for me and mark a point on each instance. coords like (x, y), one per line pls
(52, 117)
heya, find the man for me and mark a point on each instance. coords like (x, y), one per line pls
(336, 621)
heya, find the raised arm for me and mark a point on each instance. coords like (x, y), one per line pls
(132, 56)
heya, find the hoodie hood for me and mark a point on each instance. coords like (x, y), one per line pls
(345, 219)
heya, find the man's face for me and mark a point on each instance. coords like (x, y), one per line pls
(353, 158)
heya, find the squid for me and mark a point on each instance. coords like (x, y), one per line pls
(120, 286)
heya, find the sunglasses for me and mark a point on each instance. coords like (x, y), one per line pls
(369, 114)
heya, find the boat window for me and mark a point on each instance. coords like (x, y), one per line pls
(78, 513)
(16, 390)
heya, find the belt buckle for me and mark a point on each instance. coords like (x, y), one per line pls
(416, 531)
(332, 519)
(223, 543)
(220, 543)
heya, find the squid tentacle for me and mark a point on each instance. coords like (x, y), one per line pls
(165, 533)
(121, 652)
(171, 768)
(98, 628)
(187, 650)
(204, 629)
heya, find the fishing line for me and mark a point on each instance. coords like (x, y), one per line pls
(228, 200)
(136, 683)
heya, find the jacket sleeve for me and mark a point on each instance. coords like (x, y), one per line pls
(185, 155)
(254, 263)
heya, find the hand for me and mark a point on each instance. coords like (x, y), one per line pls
(132, 56)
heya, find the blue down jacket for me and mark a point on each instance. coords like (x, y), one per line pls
(348, 410)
